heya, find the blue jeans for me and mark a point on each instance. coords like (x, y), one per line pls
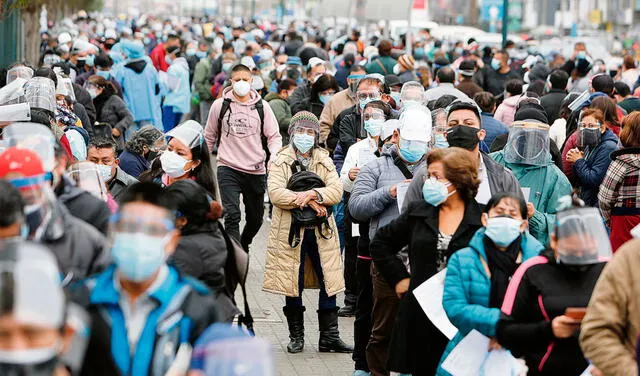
(309, 248)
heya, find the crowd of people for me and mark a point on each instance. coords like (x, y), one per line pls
(130, 151)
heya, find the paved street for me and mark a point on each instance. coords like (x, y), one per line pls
(271, 324)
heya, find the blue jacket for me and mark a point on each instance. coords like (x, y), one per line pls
(591, 169)
(493, 127)
(141, 88)
(467, 288)
(185, 309)
(180, 98)
(133, 164)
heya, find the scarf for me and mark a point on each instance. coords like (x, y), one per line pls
(502, 265)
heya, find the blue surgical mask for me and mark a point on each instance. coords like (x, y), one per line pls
(303, 142)
(190, 51)
(104, 74)
(366, 101)
(459, 50)
(412, 151)
(138, 255)
(396, 97)
(168, 60)
(373, 126)
(435, 192)
(325, 98)
(582, 55)
(89, 61)
(495, 64)
(418, 52)
(503, 230)
(226, 67)
(441, 142)
(201, 54)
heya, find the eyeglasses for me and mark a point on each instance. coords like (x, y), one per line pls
(589, 125)
(307, 131)
(374, 116)
(364, 96)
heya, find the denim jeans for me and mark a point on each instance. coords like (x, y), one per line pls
(309, 248)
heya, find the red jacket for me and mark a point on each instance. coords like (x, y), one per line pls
(158, 58)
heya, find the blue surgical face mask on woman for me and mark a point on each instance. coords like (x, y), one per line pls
(104, 74)
(412, 151)
(503, 230)
(324, 99)
(435, 192)
(303, 142)
(373, 126)
(441, 142)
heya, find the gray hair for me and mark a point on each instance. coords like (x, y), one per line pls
(145, 136)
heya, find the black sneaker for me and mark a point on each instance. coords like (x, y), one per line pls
(347, 311)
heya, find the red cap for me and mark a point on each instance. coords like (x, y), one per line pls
(22, 161)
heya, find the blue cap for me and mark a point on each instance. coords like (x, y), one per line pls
(294, 60)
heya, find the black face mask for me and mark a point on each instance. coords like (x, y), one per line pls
(108, 46)
(463, 136)
(152, 155)
(590, 136)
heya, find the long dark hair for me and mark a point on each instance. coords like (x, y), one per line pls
(204, 172)
(196, 205)
(324, 82)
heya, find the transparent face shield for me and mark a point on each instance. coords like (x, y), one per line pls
(189, 133)
(372, 120)
(41, 93)
(588, 133)
(292, 72)
(30, 285)
(65, 87)
(581, 237)
(19, 72)
(38, 198)
(88, 178)
(412, 93)
(528, 143)
(35, 137)
(13, 92)
(416, 118)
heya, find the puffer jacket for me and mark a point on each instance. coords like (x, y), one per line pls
(467, 288)
(506, 112)
(282, 263)
(370, 197)
(590, 170)
(610, 329)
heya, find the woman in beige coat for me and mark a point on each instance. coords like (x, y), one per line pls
(315, 261)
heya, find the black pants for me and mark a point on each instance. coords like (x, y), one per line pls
(252, 187)
(364, 304)
(350, 255)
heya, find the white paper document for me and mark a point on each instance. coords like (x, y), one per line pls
(587, 372)
(402, 193)
(501, 362)
(429, 296)
(526, 192)
(365, 156)
(467, 358)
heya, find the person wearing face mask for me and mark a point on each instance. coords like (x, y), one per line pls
(384, 63)
(411, 94)
(494, 128)
(177, 101)
(477, 276)
(110, 108)
(102, 152)
(79, 248)
(341, 101)
(244, 133)
(591, 163)
(187, 157)
(140, 302)
(442, 222)
(405, 69)
(140, 150)
(34, 343)
(229, 60)
(280, 106)
(494, 76)
(548, 295)
(322, 91)
(315, 68)
(527, 154)
(464, 131)
(289, 245)
(202, 82)
(439, 121)
(375, 200)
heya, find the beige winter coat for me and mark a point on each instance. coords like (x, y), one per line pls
(282, 261)
(609, 331)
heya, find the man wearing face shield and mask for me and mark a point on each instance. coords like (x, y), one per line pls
(78, 247)
(340, 102)
(36, 330)
(527, 155)
(411, 94)
(464, 131)
(547, 297)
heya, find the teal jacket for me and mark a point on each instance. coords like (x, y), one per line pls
(467, 288)
(546, 184)
(382, 65)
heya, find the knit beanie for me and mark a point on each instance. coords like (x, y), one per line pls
(407, 62)
(531, 111)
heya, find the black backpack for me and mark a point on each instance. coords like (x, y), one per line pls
(301, 181)
(226, 108)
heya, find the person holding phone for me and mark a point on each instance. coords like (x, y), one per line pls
(548, 294)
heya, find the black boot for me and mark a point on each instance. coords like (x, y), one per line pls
(347, 311)
(329, 335)
(295, 319)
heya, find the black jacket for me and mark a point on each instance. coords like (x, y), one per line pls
(111, 109)
(350, 128)
(310, 105)
(417, 345)
(551, 103)
(83, 205)
(301, 93)
(334, 133)
(492, 81)
(83, 97)
(540, 290)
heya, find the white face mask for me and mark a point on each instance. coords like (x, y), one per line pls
(30, 356)
(241, 88)
(173, 164)
(105, 172)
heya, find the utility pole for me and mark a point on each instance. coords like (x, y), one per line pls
(505, 20)
(473, 12)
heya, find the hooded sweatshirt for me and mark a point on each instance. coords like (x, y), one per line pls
(241, 143)
(506, 112)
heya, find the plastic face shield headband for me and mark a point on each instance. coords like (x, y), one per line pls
(139, 224)
(528, 143)
(581, 237)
